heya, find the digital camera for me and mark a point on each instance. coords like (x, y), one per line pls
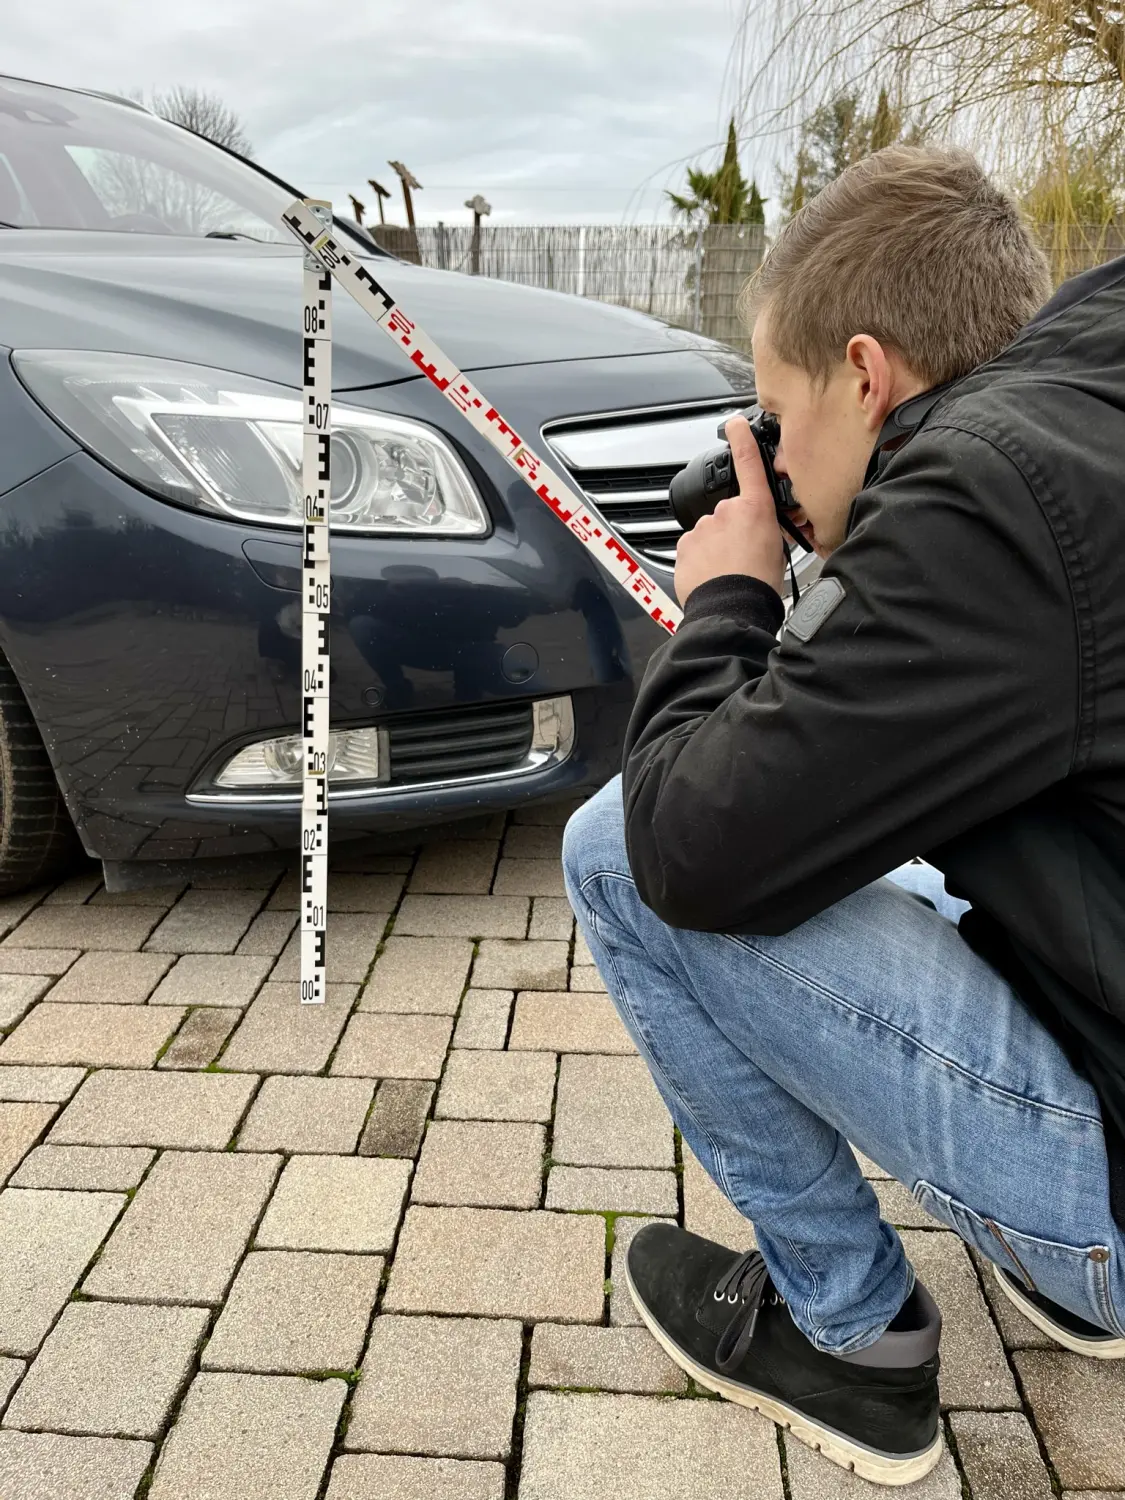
(710, 477)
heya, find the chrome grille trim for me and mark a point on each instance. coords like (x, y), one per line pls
(624, 461)
(635, 497)
(630, 528)
(647, 444)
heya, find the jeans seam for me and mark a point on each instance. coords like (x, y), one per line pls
(810, 1321)
(995, 1230)
(855, 1010)
(688, 1107)
(913, 1041)
(1104, 1294)
(968, 1223)
(861, 1340)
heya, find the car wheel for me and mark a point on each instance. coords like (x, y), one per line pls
(37, 837)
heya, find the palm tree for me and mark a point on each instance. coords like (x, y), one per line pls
(722, 196)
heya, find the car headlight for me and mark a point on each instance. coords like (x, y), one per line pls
(231, 445)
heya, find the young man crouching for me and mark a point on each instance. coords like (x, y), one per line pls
(952, 687)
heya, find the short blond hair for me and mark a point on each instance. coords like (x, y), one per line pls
(913, 245)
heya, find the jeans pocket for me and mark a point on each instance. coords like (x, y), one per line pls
(1075, 1276)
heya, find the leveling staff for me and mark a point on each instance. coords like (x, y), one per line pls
(953, 686)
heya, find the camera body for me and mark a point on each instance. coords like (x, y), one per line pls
(710, 477)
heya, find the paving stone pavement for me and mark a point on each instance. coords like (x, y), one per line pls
(653, 1447)
(11, 1373)
(183, 1235)
(18, 993)
(295, 1312)
(47, 1466)
(382, 1476)
(439, 1386)
(608, 1359)
(107, 1169)
(109, 1369)
(1000, 1456)
(376, 1251)
(20, 1126)
(250, 1437)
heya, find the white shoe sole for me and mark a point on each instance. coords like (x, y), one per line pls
(866, 1462)
(1107, 1348)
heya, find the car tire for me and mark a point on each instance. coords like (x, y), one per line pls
(37, 837)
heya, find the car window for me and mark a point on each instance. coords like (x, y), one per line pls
(77, 161)
(140, 193)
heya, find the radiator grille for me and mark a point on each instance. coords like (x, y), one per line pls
(625, 465)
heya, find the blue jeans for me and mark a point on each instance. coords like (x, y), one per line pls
(874, 1023)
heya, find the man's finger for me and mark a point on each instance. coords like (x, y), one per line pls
(747, 460)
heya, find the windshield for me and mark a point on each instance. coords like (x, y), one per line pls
(68, 161)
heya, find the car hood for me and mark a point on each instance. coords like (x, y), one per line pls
(237, 306)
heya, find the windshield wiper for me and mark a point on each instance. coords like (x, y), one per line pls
(232, 234)
(5, 225)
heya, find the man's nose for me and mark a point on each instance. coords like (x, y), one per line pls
(779, 464)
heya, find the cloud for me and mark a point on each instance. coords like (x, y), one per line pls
(576, 112)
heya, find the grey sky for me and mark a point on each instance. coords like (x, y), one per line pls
(569, 112)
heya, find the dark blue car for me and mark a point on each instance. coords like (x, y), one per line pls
(150, 309)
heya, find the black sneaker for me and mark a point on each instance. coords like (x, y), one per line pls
(717, 1315)
(1066, 1328)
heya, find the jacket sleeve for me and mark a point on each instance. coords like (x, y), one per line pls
(765, 780)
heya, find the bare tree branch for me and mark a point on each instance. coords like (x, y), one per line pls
(143, 193)
(206, 114)
(1035, 87)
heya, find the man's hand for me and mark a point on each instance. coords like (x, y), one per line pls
(742, 534)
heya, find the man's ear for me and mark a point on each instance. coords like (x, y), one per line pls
(872, 369)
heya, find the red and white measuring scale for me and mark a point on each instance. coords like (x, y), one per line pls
(325, 258)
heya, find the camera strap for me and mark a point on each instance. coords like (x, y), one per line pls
(900, 425)
(794, 590)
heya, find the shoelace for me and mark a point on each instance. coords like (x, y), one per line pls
(743, 1286)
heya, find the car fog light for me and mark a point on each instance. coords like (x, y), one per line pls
(552, 726)
(354, 755)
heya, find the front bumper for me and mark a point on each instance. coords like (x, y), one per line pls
(151, 649)
(154, 642)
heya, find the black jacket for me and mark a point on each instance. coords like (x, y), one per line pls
(954, 686)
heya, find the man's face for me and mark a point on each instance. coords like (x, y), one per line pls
(828, 430)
